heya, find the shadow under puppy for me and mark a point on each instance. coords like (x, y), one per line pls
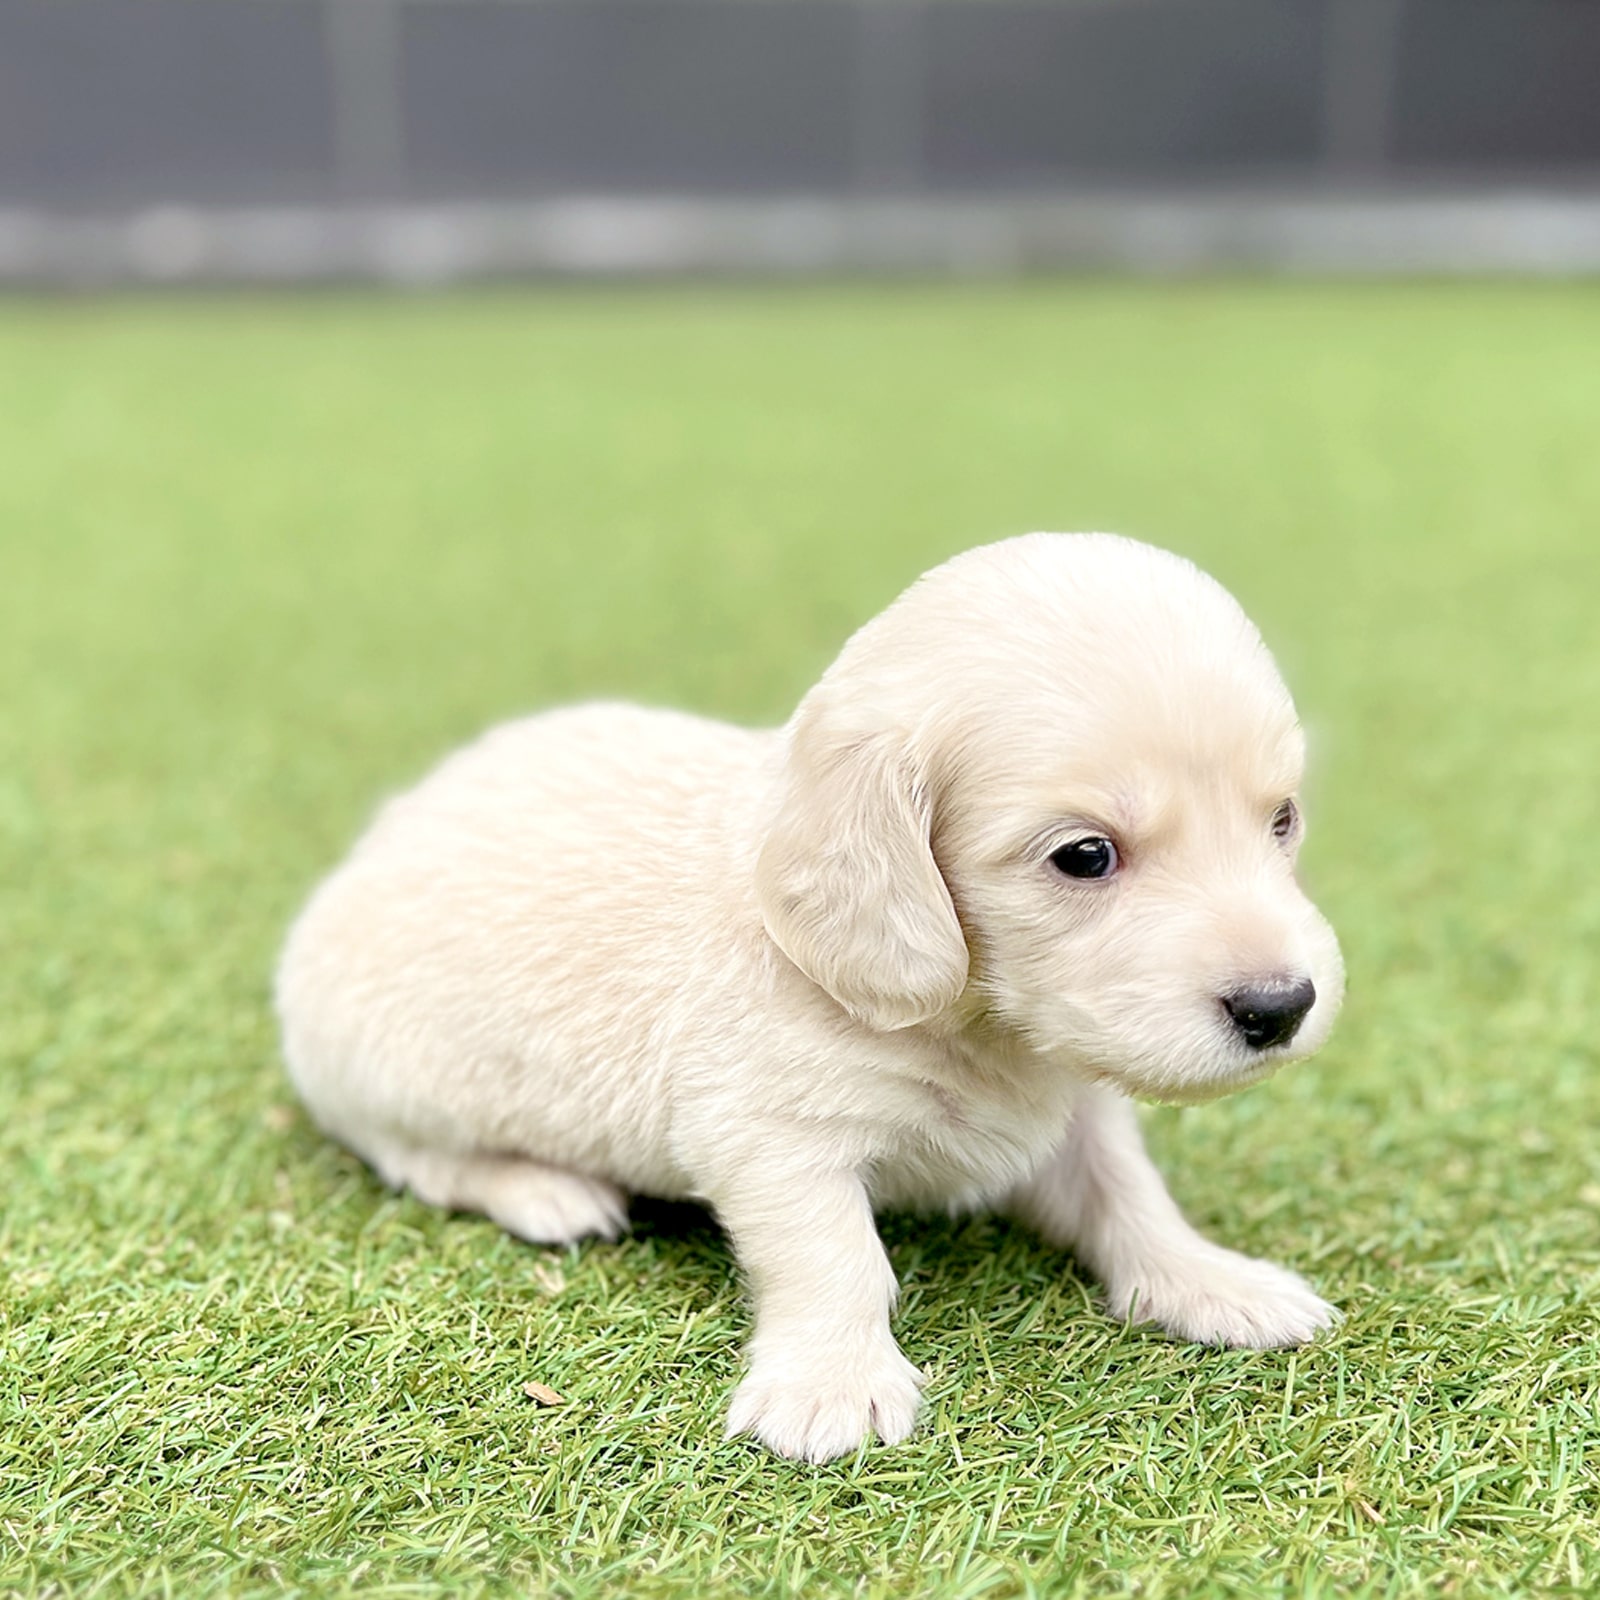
(1026, 850)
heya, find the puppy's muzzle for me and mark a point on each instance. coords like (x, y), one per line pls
(1268, 1014)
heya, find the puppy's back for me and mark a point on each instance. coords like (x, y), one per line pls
(484, 970)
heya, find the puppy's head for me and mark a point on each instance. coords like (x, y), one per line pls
(1053, 790)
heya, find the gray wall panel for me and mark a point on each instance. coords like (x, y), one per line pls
(638, 95)
(118, 104)
(162, 99)
(1037, 94)
(1498, 84)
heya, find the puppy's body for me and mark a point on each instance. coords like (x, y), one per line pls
(626, 1023)
(800, 974)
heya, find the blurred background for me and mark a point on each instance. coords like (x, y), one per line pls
(430, 141)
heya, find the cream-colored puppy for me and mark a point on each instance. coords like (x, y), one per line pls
(1026, 850)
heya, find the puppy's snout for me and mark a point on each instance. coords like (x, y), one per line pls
(1266, 1014)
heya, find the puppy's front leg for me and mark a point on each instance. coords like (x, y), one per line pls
(824, 1368)
(1101, 1197)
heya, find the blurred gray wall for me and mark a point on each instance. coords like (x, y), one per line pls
(843, 126)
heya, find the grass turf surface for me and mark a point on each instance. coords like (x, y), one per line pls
(264, 561)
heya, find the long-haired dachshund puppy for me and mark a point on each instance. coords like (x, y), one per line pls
(1027, 850)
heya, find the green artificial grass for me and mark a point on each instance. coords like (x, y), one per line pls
(261, 562)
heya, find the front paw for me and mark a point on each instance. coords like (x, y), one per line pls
(813, 1409)
(1217, 1296)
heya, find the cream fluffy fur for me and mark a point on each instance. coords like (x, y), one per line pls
(802, 973)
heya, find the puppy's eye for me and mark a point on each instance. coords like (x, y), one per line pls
(1094, 857)
(1286, 820)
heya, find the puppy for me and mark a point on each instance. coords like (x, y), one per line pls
(1027, 849)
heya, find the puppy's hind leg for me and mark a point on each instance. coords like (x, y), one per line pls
(1100, 1196)
(539, 1203)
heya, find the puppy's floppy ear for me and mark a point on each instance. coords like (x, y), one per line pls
(848, 886)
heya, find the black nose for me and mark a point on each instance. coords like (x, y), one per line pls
(1270, 1013)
